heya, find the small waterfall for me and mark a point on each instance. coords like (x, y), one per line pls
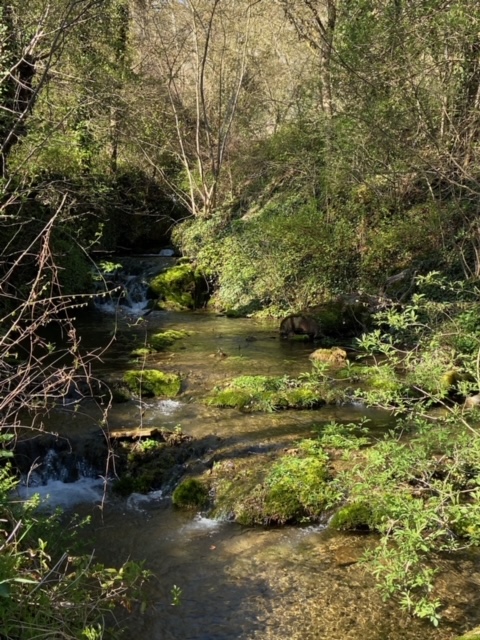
(64, 472)
(123, 286)
(61, 481)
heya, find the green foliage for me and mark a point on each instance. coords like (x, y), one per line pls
(46, 587)
(151, 382)
(286, 255)
(191, 493)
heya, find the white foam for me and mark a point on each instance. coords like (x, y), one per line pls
(56, 493)
(136, 501)
(201, 523)
(168, 407)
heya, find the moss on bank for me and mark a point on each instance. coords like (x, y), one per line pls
(268, 489)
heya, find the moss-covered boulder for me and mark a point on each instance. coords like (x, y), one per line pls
(153, 383)
(181, 287)
(165, 339)
(452, 380)
(269, 490)
(141, 352)
(191, 494)
(269, 393)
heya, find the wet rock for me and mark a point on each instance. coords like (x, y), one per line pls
(334, 356)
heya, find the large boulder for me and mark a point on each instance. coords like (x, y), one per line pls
(180, 287)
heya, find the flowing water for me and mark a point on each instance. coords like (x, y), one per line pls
(234, 582)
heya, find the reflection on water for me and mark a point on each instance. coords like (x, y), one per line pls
(238, 583)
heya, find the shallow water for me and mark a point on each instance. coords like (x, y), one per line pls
(237, 582)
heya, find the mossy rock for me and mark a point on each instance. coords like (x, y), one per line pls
(191, 494)
(333, 356)
(142, 352)
(164, 339)
(234, 398)
(451, 380)
(268, 393)
(180, 287)
(145, 464)
(267, 490)
(299, 398)
(355, 517)
(153, 383)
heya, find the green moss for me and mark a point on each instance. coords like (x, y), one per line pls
(142, 352)
(191, 493)
(151, 382)
(179, 287)
(229, 398)
(164, 339)
(300, 398)
(355, 517)
(266, 490)
(268, 393)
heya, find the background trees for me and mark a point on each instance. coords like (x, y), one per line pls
(133, 114)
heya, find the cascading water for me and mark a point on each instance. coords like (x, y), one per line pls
(123, 286)
(61, 482)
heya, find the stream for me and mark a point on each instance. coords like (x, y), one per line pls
(236, 582)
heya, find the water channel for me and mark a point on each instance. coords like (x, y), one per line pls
(239, 583)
